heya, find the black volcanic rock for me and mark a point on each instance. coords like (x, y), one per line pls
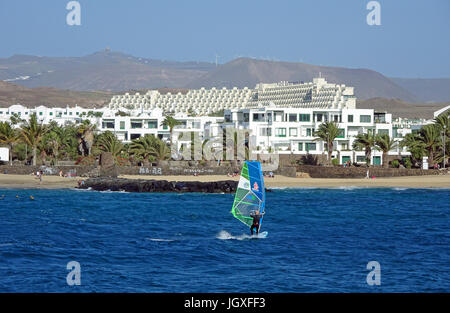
(144, 185)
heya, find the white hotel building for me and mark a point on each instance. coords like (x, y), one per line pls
(282, 117)
(134, 124)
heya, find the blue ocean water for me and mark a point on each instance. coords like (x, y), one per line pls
(320, 240)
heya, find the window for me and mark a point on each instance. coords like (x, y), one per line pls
(345, 159)
(308, 132)
(365, 119)
(40, 113)
(310, 146)
(70, 113)
(376, 160)
(360, 158)
(266, 131)
(136, 124)
(258, 117)
(292, 117)
(350, 118)
(78, 113)
(51, 113)
(293, 132)
(152, 124)
(341, 133)
(305, 117)
(280, 132)
(300, 146)
(246, 117)
(337, 118)
(383, 132)
(1, 112)
(395, 133)
(107, 124)
(319, 117)
(122, 125)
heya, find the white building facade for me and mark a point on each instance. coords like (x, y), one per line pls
(291, 130)
(281, 117)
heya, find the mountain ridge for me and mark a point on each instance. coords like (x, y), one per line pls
(119, 72)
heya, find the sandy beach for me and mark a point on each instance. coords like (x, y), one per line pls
(54, 182)
(441, 181)
(31, 182)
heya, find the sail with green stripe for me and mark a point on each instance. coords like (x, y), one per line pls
(250, 194)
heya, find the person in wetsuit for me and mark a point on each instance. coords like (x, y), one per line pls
(256, 218)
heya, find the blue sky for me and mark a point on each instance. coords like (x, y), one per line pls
(412, 40)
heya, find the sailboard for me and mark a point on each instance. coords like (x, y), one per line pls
(250, 193)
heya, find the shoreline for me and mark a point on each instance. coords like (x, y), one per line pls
(10, 181)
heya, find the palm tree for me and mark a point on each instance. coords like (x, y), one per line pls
(160, 151)
(367, 142)
(414, 146)
(170, 122)
(108, 142)
(67, 138)
(15, 119)
(385, 144)
(327, 132)
(143, 147)
(32, 133)
(8, 136)
(85, 133)
(51, 144)
(429, 135)
(443, 123)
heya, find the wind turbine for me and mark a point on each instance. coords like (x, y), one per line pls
(217, 59)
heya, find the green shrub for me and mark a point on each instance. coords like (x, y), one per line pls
(335, 162)
(395, 164)
(407, 163)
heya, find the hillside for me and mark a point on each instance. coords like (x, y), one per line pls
(51, 97)
(426, 89)
(248, 72)
(104, 70)
(399, 108)
(60, 81)
(119, 72)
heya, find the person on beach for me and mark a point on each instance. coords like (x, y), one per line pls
(256, 215)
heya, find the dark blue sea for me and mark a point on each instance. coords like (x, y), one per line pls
(319, 240)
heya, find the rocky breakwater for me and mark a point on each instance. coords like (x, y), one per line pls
(146, 185)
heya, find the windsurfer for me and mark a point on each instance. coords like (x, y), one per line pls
(256, 215)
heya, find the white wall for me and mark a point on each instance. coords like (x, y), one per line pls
(4, 154)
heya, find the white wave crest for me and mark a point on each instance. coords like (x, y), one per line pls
(224, 235)
(160, 239)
